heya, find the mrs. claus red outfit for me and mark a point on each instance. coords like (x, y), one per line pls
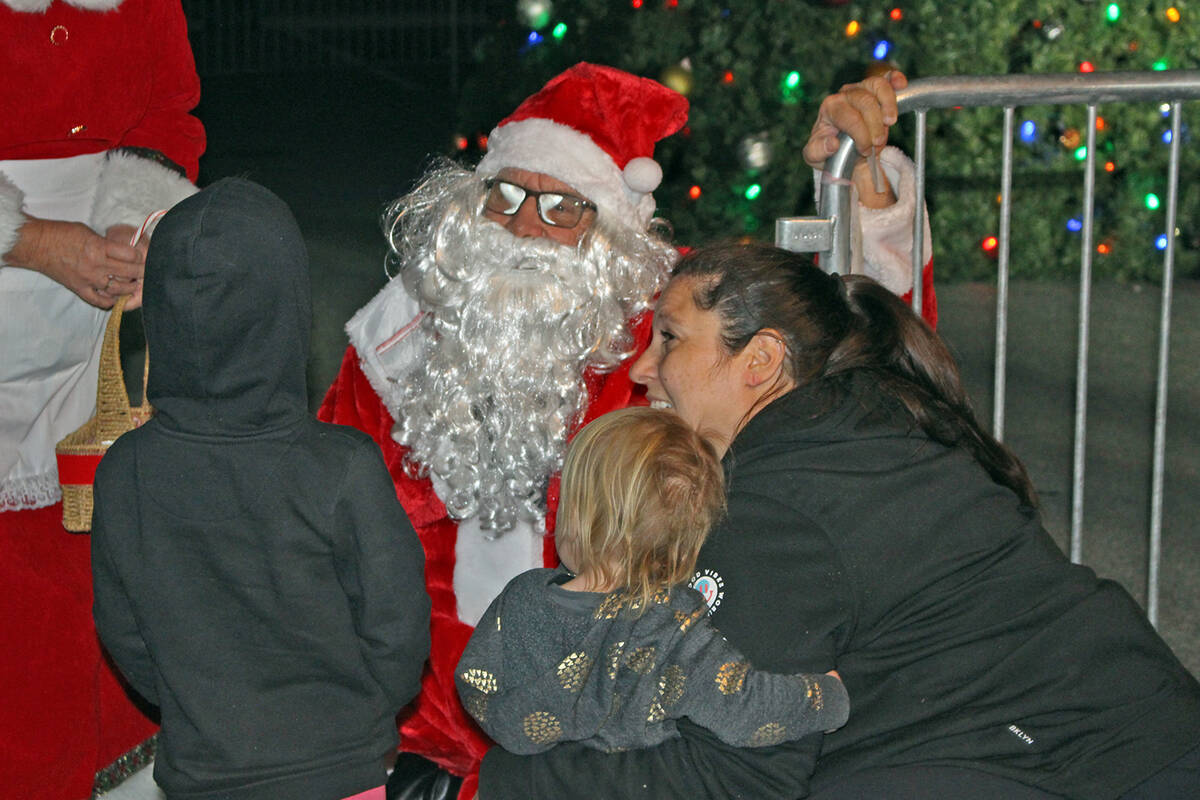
(96, 129)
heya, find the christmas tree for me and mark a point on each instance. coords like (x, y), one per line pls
(755, 72)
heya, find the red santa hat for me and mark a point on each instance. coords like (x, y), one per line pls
(594, 128)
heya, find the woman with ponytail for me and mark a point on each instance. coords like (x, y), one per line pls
(875, 527)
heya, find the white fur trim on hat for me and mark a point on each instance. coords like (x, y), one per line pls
(11, 218)
(131, 188)
(540, 145)
(38, 6)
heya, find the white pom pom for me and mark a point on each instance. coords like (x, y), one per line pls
(643, 174)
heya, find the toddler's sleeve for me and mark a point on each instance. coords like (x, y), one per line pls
(718, 689)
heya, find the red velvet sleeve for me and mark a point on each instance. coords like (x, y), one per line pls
(167, 125)
(928, 296)
(435, 725)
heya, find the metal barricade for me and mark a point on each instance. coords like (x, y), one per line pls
(829, 235)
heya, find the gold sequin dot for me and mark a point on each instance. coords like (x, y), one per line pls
(59, 35)
(731, 677)
(769, 734)
(477, 706)
(613, 659)
(610, 606)
(542, 727)
(670, 685)
(641, 660)
(574, 670)
(657, 712)
(480, 680)
(686, 621)
(662, 597)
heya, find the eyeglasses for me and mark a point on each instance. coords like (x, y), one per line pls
(554, 208)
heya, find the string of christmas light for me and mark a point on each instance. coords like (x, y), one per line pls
(755, 73)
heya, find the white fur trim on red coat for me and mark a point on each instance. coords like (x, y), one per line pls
(541, 145)
(11, 218)
(131, 188)
(38, 6)
(881, 238)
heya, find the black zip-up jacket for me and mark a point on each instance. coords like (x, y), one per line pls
(963, 635)
(254, 575)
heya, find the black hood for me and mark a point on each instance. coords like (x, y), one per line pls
(227, 313)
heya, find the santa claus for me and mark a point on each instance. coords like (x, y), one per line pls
(521, 298)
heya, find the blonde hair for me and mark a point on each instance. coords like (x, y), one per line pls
(640, 492)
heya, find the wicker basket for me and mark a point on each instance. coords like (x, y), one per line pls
(80, 452)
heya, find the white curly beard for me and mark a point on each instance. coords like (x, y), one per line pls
(512, 324)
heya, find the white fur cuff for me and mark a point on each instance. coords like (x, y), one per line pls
(11, 218)
(387, 336)
(887, 233)
(881, 238)
(39, 6)
(132, 187)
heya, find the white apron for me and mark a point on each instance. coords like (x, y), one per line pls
(49, 340)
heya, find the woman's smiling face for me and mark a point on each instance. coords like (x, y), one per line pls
(688, 368)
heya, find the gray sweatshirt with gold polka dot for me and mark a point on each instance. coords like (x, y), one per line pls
(548, 665)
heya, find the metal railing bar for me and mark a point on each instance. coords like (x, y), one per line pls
(835, 196)
(1154, 556)
(1001, 368)
(1053, 89)
(918, 248)
(1085, 308)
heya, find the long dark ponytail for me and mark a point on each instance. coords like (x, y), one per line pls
(834, 327)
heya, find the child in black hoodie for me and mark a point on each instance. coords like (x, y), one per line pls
(255, 576)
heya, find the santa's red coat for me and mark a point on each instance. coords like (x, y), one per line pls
(435, 725)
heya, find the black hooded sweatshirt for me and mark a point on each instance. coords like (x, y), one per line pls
(254, 574)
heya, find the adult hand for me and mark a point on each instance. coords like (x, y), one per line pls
(865, 111)
(96, 268)
(123, 234)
